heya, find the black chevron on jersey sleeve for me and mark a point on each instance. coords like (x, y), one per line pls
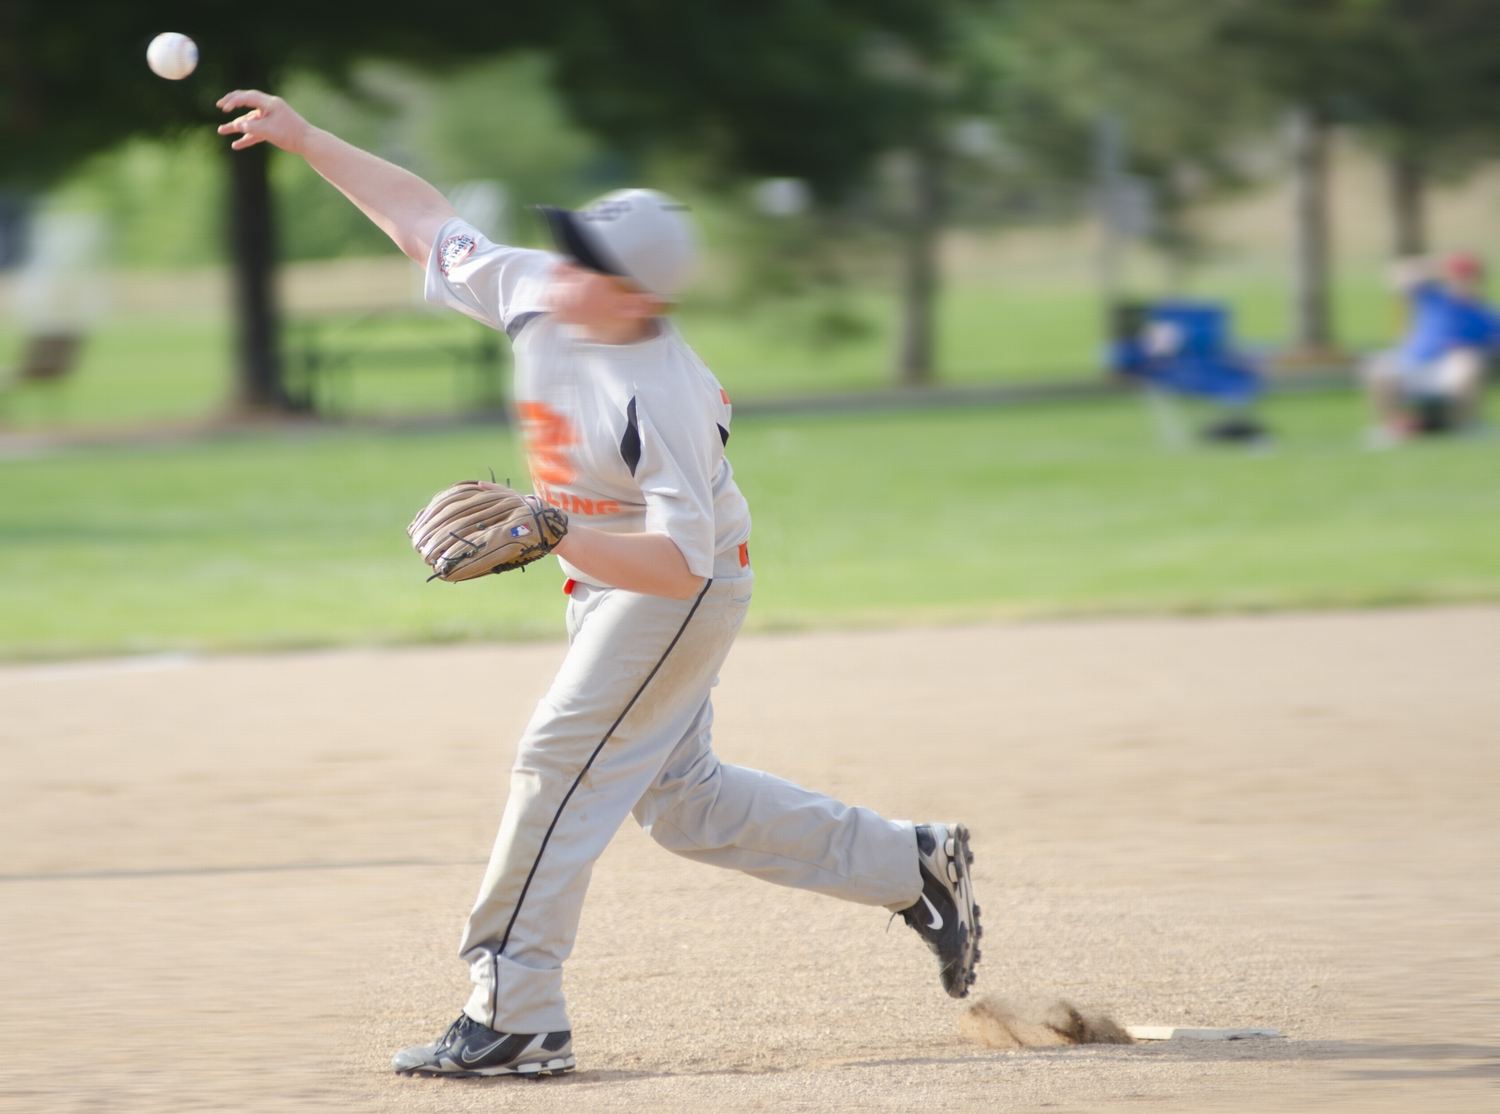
(519, 322)
(630, 441)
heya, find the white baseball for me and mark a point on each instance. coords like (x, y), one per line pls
(172, 55)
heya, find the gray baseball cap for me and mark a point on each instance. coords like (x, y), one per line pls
(642, 235)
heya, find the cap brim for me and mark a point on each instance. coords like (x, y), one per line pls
(573, 242)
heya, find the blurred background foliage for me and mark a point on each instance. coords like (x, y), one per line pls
(927, 190)
(496, 119)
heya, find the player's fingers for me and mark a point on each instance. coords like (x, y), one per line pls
(237, 126)
(241, 98)
(245, 141)
(240, 124)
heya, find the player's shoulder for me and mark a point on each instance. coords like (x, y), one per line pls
(681, 392)
(681, 369)
(686, 355)
(458, 242)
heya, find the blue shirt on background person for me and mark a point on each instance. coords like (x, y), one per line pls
(1434, 379)
(1442, 320)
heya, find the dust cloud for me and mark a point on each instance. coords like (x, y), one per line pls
(996, 1023)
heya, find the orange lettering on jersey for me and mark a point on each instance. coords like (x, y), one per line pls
(576, 504)
(548, 435)
(724, 395)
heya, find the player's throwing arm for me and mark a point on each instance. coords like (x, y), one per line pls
(407, 209)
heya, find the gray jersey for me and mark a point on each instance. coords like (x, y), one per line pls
(625, 437)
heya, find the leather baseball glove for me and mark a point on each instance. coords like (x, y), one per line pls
(474, 528)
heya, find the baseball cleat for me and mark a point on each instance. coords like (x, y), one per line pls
(945, 916)
(469, 1049)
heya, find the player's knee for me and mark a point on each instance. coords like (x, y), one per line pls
(1462, 369)
(679, 820)
(668, 836)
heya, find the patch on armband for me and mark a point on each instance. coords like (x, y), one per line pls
(455, 250)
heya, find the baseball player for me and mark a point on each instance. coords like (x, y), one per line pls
(625, 432)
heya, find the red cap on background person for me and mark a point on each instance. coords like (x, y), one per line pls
(1463, 266)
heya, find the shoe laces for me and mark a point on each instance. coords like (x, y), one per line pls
(455, 1031)
(908, 915)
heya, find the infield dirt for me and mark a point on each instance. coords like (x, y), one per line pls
(237, 883)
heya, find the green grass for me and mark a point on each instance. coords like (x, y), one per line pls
(131, 370)
(295, 538)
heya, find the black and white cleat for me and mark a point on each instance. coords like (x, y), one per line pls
(945, 916)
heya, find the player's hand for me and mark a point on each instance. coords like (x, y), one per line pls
(270, 120)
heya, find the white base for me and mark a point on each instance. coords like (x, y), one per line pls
(1178, 1033)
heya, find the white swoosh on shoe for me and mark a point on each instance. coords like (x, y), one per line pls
(481, 1054)
(937, 918)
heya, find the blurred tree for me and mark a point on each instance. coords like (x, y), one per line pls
(947, 78)
(1312, 313)
(1428, 94)
(1138, 101)
(808, 89)
(427, 122)
(73, 82)
(1194, 79)
(1421, 77)
(781, 86)
(1131, 108)
(1158, 66)
(1311, 60)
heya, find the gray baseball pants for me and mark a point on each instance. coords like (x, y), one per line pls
(625, 727)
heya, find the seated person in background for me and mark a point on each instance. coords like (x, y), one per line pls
(1435, 377)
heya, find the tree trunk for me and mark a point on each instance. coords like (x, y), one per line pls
(1109, 175)
(252, 250)
(1312, 318)
(1408, 182)
(916, 358)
